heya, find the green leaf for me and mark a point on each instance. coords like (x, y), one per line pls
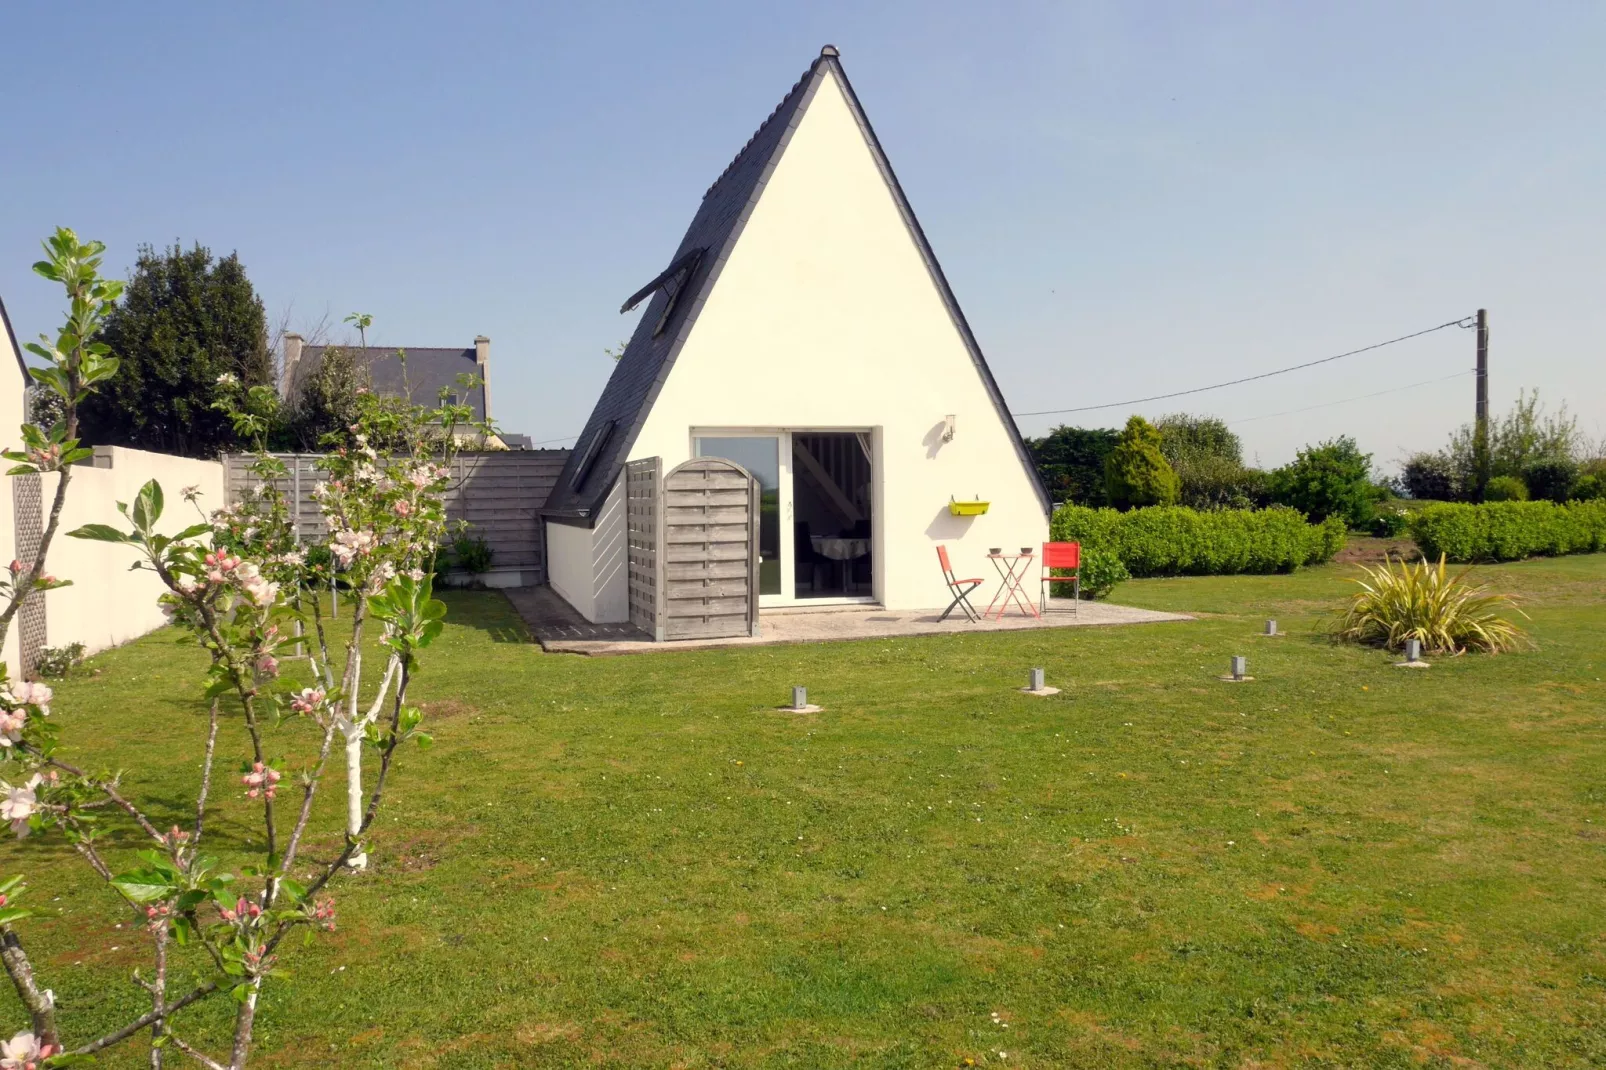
(98, 532)
(294, 889)
(11, 914)
(10, 882)
(192, 531)
(148, 506)
(143, 885)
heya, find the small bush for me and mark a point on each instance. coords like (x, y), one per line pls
(55, 662)
(1509, 531)
(1589, 488)
(1431, 477)
(1551, 480)
(1174, 540)
(1330, 479)
(1390, 522)
(472, 554)
(1505, 489)
(1398, 601)
(1101, 570)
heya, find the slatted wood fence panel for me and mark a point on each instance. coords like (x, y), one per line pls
(709, 582)
(643, 543)
(500, 494)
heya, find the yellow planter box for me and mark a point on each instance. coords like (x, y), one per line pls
(968, 508)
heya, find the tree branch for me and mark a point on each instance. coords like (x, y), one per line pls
(144, 1020)
(41, 1005)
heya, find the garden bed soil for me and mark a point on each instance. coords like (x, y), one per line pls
(1368, 550)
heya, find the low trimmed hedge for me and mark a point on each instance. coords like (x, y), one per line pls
(1509, 531)
(1172, 540)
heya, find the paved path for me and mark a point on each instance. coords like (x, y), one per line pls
(559, 629)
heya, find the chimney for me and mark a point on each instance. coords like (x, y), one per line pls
(292, 357)
(482, 361)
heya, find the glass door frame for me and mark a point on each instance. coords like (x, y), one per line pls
(788, 597)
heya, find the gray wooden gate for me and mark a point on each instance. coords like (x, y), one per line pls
(709, 584)
(644, 536)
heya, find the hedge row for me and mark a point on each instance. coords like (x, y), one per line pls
(1508, 531)
(1172, 540)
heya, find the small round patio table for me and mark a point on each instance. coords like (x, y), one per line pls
(1012, 571)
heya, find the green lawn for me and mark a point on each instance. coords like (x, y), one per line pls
(636, 862)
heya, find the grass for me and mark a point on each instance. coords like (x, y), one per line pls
(637, 862)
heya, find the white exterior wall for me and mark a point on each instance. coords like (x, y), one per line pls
(826, 317)
(108, 604)
(587, 566)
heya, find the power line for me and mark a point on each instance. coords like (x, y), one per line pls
(1362, 397)
(1462, 322)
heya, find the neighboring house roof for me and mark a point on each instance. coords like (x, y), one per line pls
(679, 292)
(426, 372)
(515, 441)
(16, 347)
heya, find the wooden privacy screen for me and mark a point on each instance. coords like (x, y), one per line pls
(693, 549)
(643, 536)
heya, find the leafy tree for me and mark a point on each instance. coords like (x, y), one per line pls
(185, 320)
(1136, 472)
(329, 399)
(1525, 435)
(1431, 477)
(1330, 479)
(1208, 460)
(1070, 461)
(1183, 436)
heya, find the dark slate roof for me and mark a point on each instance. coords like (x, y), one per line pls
(16, 347)
(428, 369)
(641, 371)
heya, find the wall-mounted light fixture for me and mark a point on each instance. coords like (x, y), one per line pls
(948, 428)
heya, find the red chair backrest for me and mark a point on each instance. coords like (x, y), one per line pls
(942, 556)
(1062, 555)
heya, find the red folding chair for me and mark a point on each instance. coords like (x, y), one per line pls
(1065, 556)
(960, 589)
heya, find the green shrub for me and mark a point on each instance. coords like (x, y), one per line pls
(55, 662)
(1135, 472)
(1330, 479)
(1589, 488)
(1551, 479)
(1390, 522)
(1174, 540)
(1505, 489)
(471, 554)
(1509, 531)
(1101, 570)
(1424, 602)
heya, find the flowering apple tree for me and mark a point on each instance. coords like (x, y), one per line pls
(244, 587)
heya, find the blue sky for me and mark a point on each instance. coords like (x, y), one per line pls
(1127, 198)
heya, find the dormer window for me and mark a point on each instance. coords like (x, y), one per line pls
(672, 281)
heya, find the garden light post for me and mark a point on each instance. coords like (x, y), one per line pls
(1037, 684)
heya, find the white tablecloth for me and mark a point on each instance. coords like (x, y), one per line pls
(838, 549)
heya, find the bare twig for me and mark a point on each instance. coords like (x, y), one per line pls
(200, 1057)
(206, 777)
(146, 1019)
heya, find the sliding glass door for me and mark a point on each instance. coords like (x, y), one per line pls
(816, 529)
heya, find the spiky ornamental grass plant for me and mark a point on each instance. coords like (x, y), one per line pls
(1400, 601)
(237, 581)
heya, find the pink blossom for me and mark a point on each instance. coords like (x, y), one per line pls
(31, 693)
(11, 724)
(19, 804)
(402, 508)
(268, 665)
(24, 1052)
(15, 567)
(323, 912)
(308, 700)
(261, 780)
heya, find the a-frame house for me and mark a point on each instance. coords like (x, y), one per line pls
(804, 329)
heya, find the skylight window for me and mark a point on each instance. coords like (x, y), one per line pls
(672, 281)
(589, 454)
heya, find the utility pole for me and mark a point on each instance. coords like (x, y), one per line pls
(1480, 425)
